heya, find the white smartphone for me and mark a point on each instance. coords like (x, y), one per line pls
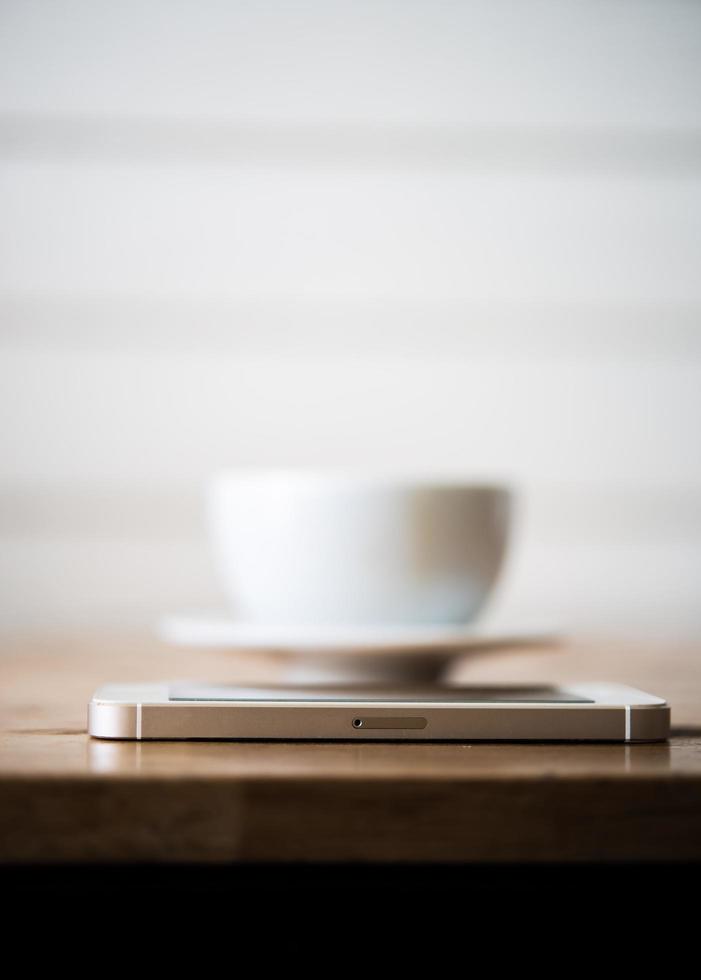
(579, 712)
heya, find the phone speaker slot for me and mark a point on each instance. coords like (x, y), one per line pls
(377, 721)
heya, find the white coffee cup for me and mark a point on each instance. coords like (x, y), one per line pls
(312, 549)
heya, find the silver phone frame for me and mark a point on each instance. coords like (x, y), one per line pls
(144, 712)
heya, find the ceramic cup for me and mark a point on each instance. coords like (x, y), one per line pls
(311, 549)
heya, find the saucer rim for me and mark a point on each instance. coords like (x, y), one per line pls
(223, 632)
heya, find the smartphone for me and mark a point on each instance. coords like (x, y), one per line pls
(579, 712)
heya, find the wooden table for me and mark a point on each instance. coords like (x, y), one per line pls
(69, 799)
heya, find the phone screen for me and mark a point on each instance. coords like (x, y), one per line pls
(503, 694)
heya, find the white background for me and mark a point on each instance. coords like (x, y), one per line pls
(461, 238)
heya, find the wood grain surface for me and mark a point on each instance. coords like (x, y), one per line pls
(67, 798)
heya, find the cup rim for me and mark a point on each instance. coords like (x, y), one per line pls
(367, 479)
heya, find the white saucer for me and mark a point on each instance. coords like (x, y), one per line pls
(225, 633)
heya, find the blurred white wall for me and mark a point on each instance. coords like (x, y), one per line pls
(461, 237)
